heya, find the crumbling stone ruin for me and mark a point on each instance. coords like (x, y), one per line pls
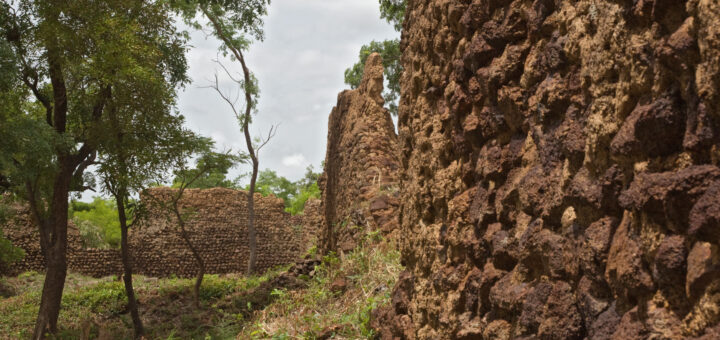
(24, 234)
(216, 225)
(560, 171)
(360, 182)
(311, 220)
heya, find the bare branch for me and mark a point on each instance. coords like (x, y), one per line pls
(264, 141)
(216, 86)
(227, 72)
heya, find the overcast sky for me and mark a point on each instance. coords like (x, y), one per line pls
(308, 45)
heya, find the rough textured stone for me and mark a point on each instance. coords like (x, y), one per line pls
(217, 226)
(359, 185)
(561, 158)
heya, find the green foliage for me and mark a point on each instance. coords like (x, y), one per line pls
(294, 194)
(297, 204)
(390, 52)
(211, 171)
(393, 11)
(97, 222)
(122, 56)
(103, 301)
(8, 252)
(268, 182)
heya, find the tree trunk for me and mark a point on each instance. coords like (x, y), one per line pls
(252, 233)
(127, 266)
(56, 254)
(198, 280)
(193, 250)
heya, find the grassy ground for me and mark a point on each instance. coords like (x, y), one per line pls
(232, 305)
(96, 308)
(370, 273)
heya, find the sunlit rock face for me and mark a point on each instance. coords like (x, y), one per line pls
(560, 174)
(359, 184)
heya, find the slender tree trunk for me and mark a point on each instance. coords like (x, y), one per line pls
(127, 266)
(198, 279)
(252, 233)
(195, 253)
(56, 254)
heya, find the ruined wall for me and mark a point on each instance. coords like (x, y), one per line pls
(561, 175)
(359, 184)
(217, 226)
(23, 233)
(311, 220)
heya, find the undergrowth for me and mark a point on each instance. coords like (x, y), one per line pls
(370, 272)
(96, 308)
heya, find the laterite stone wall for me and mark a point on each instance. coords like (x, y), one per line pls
(561, 173)
(216, 224)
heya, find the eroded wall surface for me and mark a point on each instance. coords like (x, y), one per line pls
(24, 234)
(360, 182)
(561, 175)
(217, 227)
(216, 224)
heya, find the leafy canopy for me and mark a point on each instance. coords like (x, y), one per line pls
(393, 11)
(210, 171)
(72, 67)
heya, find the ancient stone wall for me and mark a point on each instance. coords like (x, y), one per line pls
(23, 233)
(216, 224)
(311, 220)
(561, 175)
(359, 184)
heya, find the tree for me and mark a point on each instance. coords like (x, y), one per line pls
(74, 58)
(97, 222)
(393, 11)
(235, 24)
(269, 182)
(294, 194)
(139, 153)
(213, 178)
(186, 177)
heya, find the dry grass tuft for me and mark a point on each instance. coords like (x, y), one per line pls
(370, 272)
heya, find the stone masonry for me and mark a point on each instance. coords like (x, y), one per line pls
(216, 224)
(561, 173)
(360, 184)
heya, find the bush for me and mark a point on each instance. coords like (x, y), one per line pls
(97, 222)
(8, 252)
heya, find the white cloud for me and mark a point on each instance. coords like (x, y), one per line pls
(300, 65)
(296, 160)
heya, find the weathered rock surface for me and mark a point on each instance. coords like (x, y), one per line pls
(360, 185)
(560, 171)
